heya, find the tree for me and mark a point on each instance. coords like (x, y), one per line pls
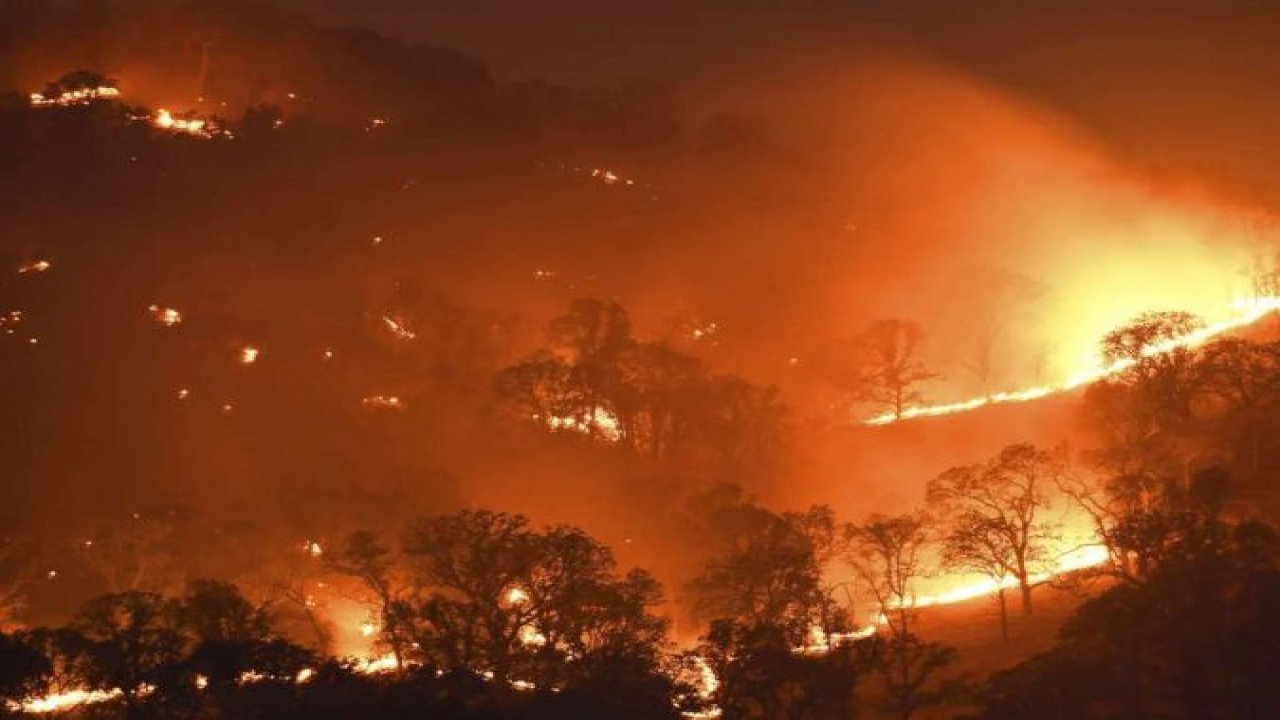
(18, 571)
(494, 595)
(746, 423)
(657, 399)
(25, 671)
(136, 553)
(771, 576)
(131, 644)
(995, 300)
(1244, 379)
(909, 667)
(229, 634)
(996, 517)
(886, 553)
(365, 558)
(592, 336)
(1196, 640)
(761, 676)
(890, 371)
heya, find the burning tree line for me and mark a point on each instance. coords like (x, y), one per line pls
(482, 613)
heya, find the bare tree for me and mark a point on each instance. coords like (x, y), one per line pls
(886, 553)
(890, 368)
(995, 515)
(996, 297)
(137, 553)
(18, 572)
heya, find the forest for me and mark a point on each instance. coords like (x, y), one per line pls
(345, 377)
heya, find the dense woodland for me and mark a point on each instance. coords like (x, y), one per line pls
(538, 484)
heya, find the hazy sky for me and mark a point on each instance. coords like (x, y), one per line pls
(1171, 83)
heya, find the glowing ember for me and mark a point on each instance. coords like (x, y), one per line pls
(10, 320)
(602, 423)
(164, 315)
(35, 266)
(165, 120)
(396, 325)
(389, 402)
(249, 355)
(378, 665)
(1247, 313)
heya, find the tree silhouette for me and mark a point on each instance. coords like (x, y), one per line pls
(132, 644)
(995, 512)
(25, 671)
(887, 552)
(890, 371)
(365, 558)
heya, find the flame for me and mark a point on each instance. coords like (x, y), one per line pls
(601, 421)
(249, 355)
(81, 96)
(57, 702)
(388, 402)
(35, 266)
(165, 315)
(1246, 313)
(190, 125)
(397, 327)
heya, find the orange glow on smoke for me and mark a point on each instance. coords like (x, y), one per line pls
(1246, 313)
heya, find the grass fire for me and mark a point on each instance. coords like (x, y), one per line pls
(555, 360)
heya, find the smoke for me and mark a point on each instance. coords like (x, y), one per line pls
(996, 223)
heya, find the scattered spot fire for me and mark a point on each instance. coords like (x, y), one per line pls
(78, 96)
(165, 315)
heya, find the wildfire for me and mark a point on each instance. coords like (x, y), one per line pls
(164, 315)
(387, 402)
(80, 96)
(35, 266)
(1247, 312)
(10, 320)
(58, 702)
(165, 120)
(601, 422)
(1086, 557)
(396, 325)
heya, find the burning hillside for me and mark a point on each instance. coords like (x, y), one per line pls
(345, 377)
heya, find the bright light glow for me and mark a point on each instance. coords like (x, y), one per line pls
(602, 422)
(165, 315)
(35, 266)
(396, 326)
(1247, 312)
(82, 96)
(386, 402)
